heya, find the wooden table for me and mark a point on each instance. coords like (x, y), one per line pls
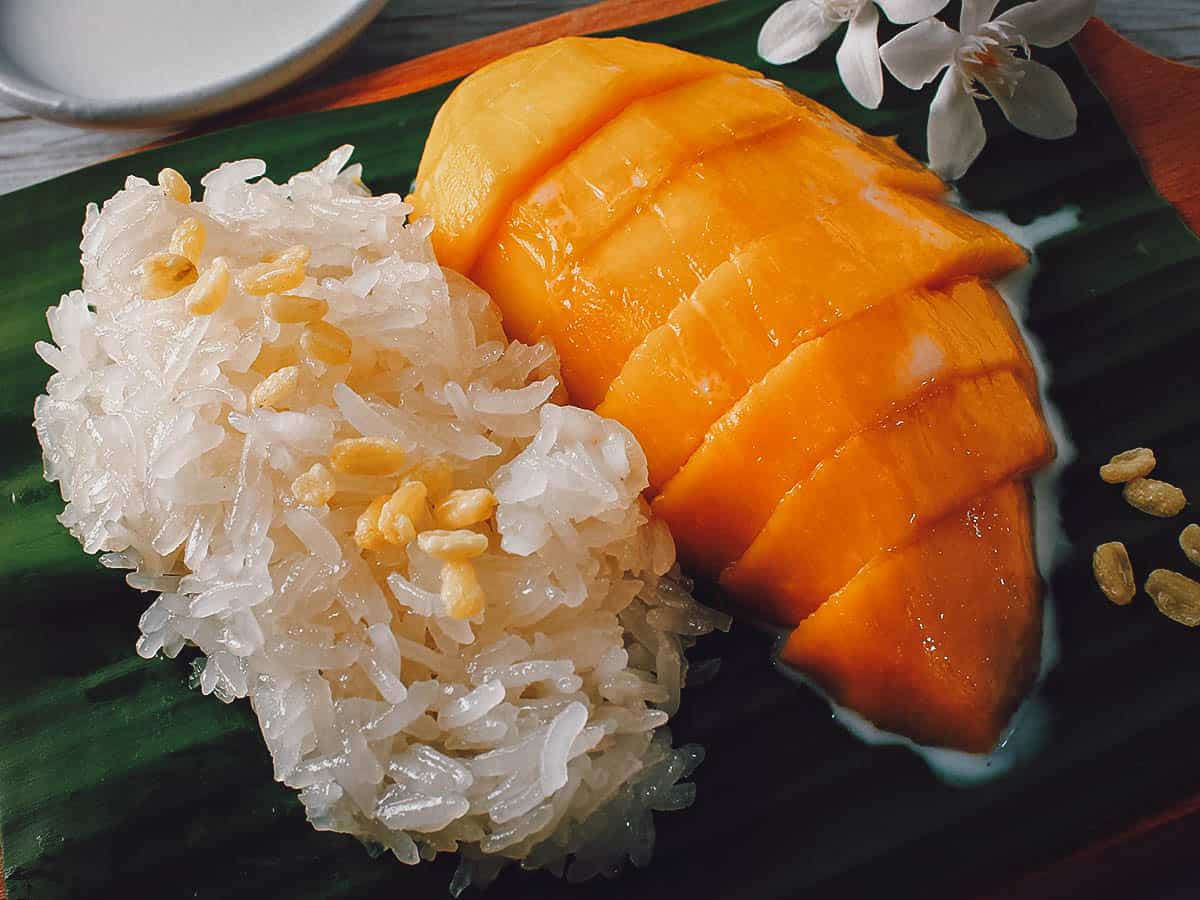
(32, 150)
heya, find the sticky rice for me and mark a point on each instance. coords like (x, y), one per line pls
(507, 705)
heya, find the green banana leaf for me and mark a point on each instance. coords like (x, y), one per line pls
(118, 779)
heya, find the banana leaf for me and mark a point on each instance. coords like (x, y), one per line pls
(118, 779)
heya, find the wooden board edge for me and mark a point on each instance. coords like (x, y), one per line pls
(455, 62)
(1157, 104)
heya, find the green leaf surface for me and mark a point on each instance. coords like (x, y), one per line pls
(116, 779)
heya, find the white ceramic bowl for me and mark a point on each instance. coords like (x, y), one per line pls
(138, 63)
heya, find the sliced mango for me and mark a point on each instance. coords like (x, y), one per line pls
(938, 639)
(750, 283)
(832, 387)
(550, 264)
(787, 288)
(883, 485)
(606, 300)
(508, 122)
(609, 178)
(616, 170)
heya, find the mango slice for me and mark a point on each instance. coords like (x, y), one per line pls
(939, 639)
(883, 485)
(833, 387)
(515, 117)
(792, 321)
(601, 249)
(790, 287)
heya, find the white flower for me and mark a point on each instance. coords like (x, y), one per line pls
(798, 27)
(988, 59)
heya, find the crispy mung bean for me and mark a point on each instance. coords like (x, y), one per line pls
(437, 474)
(396, 527)
(463, 508)
(1128, 465)
(1154, 497)
(274, 356)
(326, 343)
(1114, 572)
(211, 289)
(188, 239)
(1176, 596)
(1189, 543)
(452, 546)
(272, 392)
(163, 275)
(461, 593)
(366, 528)
(367, 456)
(174, 185)
(314, 487)
(294, 309)
(297, 254)
(286, 273)
(402, 511)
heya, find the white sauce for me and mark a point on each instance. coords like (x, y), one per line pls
(1030, 725)
(129, 49)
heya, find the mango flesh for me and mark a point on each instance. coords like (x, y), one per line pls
(607, 179)
(883, 485)
(486, 147)
(833, 390)
(745, 280)
(597, 255)
(750, 313)
(940, 638)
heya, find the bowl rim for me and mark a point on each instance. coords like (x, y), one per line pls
(45, 102)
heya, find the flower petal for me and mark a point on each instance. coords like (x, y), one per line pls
(794, 30)
(905, 12)
(917, 54)
(1048, 23)
(858, 58)
(955, 132)
(1041, 105)
(976, 14)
